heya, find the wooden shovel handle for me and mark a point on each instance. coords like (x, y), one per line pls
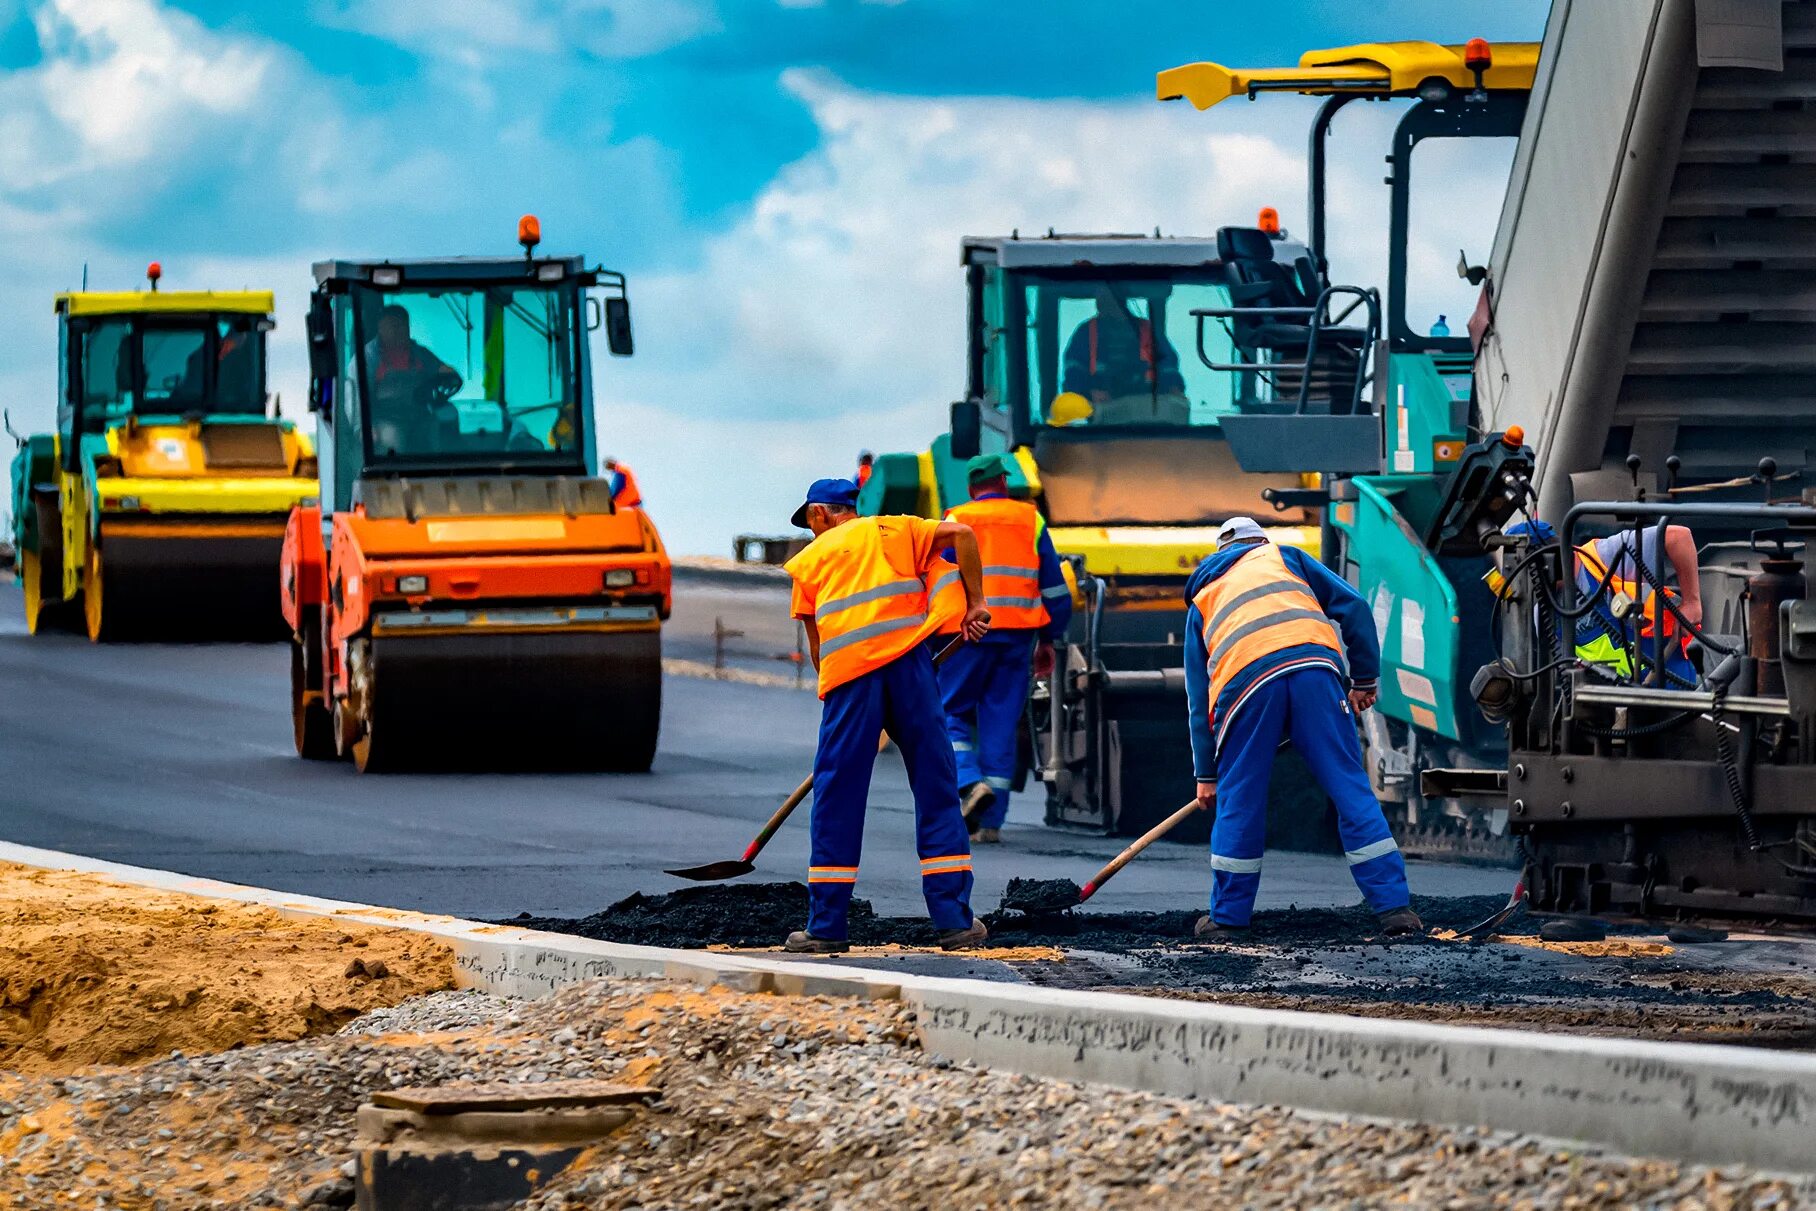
(793, 801)
(1136, 846)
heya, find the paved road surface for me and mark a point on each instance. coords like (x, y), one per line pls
(178, 756)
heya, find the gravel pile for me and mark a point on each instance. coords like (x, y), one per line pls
(767, 1102)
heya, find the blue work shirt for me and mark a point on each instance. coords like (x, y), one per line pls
(1336, 597)
(1054, 594)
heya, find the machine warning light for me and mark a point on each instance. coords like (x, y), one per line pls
(153, 272)
(1268, 220)
(1514, 438)
(529, 233)
(1477, 55)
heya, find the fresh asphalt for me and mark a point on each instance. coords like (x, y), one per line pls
(178, 756)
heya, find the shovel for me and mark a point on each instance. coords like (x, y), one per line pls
(716, 872)
(1484, 930)
(1070, 899)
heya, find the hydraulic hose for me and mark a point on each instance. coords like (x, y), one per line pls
(1730, 769)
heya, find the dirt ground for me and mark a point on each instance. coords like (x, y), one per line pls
(92, 972)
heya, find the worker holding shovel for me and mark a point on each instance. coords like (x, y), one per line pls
(1262, 662)
(861, 593)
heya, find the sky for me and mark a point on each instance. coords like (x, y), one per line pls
(784, 181)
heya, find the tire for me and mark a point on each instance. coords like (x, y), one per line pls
(312, 726)
(31, 580)
(101, 621)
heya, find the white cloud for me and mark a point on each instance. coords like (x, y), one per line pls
(829, 317)
(476, 33)
(121, 81)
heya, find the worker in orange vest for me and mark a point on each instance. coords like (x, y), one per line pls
(625, 492)
(861, 592)
(1263, 662)
(985, 685)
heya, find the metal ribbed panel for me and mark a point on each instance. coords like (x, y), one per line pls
(1725, 347)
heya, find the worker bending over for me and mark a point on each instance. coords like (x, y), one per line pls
(985, 685)
(861, 592)
(623, 484)
(1262, 663)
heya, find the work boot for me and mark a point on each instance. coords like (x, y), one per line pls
(1207, 930)
(1401, 923)
(987, 836)
(803, 943)
(968, 938)
(976, 799)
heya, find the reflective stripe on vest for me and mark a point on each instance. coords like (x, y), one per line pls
(1257, 607)
(870, 607)
(1008, 536)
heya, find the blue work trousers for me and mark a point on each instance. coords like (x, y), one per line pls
(1309, 706)
(985, 688)
(901, 698)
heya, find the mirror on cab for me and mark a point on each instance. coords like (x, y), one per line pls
(618, 327)
(322, 362)
(967, 429)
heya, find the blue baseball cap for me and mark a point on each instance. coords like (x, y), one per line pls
(1540, 531)
(827, 492)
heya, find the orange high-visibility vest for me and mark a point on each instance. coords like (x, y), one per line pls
(1592, 564)
(1256, 608)
(868, 592)
(628, 495)
(1008, 534)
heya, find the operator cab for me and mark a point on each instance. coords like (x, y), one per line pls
(466, 366)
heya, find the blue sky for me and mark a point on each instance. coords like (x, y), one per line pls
(785, 181)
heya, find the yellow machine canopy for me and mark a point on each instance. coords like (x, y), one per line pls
(145, 302)
(1386, 69)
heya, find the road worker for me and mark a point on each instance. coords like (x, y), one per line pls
(861, 593)
(1262, 663)
(625, 492)
(1619, 637)
(985, 685)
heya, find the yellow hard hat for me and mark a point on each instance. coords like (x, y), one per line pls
(1068, 408)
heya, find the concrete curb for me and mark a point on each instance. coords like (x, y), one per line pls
(1682, 1101)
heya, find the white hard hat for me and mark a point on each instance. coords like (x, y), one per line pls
(1236, 529)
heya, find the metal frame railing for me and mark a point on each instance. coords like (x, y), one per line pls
(1321, 319)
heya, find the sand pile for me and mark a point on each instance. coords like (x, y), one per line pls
(95, 972)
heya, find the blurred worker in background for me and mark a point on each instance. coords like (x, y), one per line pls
(866, 464)
(861, 593)
(985, 685)
(1262, 663)
(407, 382)
(625, 492)
(1114, 354)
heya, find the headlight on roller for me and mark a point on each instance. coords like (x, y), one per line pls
(412, 584)
(620, 578)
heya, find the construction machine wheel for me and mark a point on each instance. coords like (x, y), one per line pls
(31, 580)
(100, 616)
(311, 723)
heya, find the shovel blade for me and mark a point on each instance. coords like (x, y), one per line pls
(713, 872)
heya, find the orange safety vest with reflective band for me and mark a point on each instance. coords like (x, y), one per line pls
(1256, 608)
(1592, 564)
(628, 495)
(1008, 536)
(870, 601)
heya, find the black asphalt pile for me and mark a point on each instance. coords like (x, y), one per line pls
(762, 914)
(723, 914)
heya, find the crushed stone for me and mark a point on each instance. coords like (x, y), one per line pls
(770, 1102)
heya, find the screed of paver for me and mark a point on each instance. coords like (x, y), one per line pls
(98, 972)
